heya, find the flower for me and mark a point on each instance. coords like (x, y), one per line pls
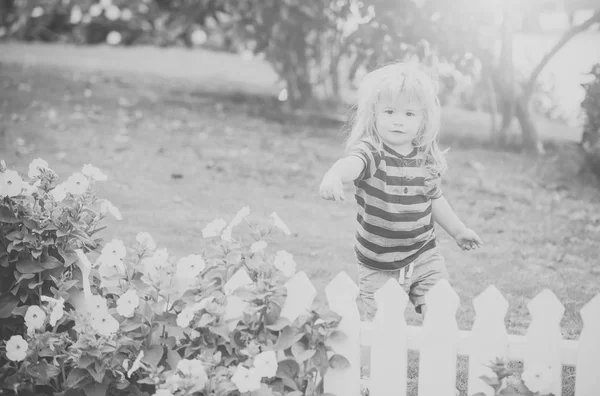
(213, 228)
(246, 380)
(285, 263)
(239, 216)
(16, 348)
(112, 13)
(185, 316)
(35, 167)
(193, 369)
(59, 192)
(538, 378)
(155, 267)
(29, 189)
(137, 363)
(266, 364)
(226, 235)
(107, 206)
(190, 266)
(116, 248)
(278, 223)
(113, 38)
(96, 305)
(105, 324)
(234, 308)
(127, 303)
(57, 311)
(77, 183)
(35, 317)
(93, 173)
(95, 10)
(145, 241)
(11, 183)
(258, 246)
(126, 14)
(163, 392)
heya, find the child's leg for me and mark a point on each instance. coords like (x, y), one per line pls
(428, 270)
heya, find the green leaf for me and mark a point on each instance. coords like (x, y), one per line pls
(43, 371)
(96, 389)
(76, 378)
(338, 362)
(279, 324)
(288, 337)
(301, 353)
(28, 266)
(221, 330)
(288, 368)
(153, 355)
(173, 358)
(7, 216)
(263, 391)
(491, 381)
(8, 303)
(131, 324)
(49, 262)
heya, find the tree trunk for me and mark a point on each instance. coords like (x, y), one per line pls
(529, 131)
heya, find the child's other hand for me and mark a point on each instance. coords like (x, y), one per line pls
(468, 240)
(332, 188)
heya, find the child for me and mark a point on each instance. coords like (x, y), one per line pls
(393, 158)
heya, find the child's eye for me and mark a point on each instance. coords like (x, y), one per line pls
(389, 111)
(410, 114)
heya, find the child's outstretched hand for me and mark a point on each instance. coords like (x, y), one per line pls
(332, 188)
(468, 239)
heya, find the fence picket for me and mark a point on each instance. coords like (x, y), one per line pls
(588, 354)
(341, 296)
(489, 339)
(388, 349)
(300, 296)
(437, 363)
(544, 339)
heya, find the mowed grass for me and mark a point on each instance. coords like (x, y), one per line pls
(178, 157)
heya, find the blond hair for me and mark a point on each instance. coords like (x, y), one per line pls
(388, 82)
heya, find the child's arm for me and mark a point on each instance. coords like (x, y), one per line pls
(344, 170)
(443, 214)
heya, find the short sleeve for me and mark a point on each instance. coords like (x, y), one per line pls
(366, 150)
(433, 186)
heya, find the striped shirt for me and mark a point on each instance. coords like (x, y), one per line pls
(394, 205)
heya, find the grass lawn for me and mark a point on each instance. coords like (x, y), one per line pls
(178, 157)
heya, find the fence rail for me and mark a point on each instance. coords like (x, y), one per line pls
(542, 350)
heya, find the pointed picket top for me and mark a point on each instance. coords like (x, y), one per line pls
(341, 290)
(588, 353)
(300, 295)
(490, 302)
(543, 355)
(546, 305)
(388, 348)
(443, 298)
(239, 279)
(489, 339)
(439, 343)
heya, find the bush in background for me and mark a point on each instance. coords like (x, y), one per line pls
(590, 141)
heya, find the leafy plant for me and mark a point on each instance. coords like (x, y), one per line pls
(533, 382)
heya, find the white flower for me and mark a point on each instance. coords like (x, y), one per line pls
(105, 324)
(11, 183)
(258, 246)
(246, 380)
(16, 348)
(137, 363)
(163, 392)
(112, 13)
(193, 369)
(145, 241)
(37, 12)
(93, 173)
(198, 37)
(538, 378)
(239, 216)
(29, 189)
(35, 167)
(110, 266)
(96, 305)
(155, 266)
(113, 38)
(126, 14)
(185, 316)
(266, 364)
(77, 183)
(95, 10)
(226, 235)
(59, 192)
(116, 248)
(285, 263)
(107, 206)
(127, 303)
(105, 3)
(57, 311)
(35, 317)
(235, 308)
(190, 266)
(278, 223)
(76, 15)
(213, 228)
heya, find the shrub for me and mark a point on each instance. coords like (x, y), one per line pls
(139, 321)
(590, 141)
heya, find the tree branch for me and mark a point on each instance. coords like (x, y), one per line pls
(575, 30)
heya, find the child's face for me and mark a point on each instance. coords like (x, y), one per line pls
(398, 122)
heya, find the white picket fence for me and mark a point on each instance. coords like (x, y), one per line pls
(439, 340)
